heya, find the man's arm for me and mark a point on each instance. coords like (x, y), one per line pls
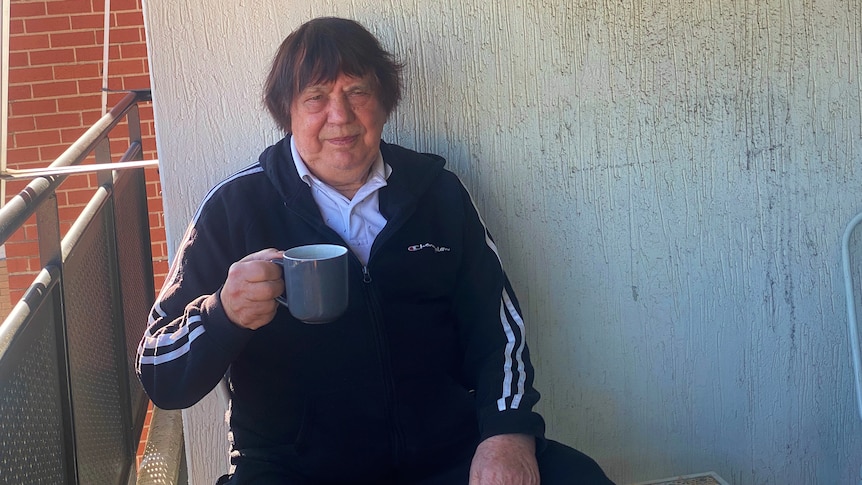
(195, 329)
(497, 360)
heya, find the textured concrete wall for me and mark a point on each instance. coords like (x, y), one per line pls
(668, 181)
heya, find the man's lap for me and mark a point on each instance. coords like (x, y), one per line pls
(558, 465)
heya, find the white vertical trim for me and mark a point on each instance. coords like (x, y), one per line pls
(4, 92)
(105, 46)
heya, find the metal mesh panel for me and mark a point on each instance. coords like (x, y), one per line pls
(135, 262)
(31, 427)
(94, 359)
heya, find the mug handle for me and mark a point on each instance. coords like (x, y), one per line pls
(281, 298)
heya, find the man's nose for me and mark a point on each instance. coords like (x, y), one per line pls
(340, 110)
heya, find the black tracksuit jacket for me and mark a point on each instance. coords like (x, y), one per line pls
(429, 358)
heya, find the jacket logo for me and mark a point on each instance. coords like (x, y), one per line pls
(419, 247)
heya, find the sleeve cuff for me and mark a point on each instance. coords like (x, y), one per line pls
(227, 335)
(494, 423)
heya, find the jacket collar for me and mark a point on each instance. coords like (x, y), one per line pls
(412, 174)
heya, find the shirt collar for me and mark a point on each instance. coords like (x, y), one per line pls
(380, 170)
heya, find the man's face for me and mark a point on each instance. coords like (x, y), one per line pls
(337, 127)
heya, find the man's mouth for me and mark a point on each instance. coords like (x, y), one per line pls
(343, 140)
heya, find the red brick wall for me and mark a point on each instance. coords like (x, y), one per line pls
(55, 83)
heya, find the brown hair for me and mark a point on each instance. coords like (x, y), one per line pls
(318, 52)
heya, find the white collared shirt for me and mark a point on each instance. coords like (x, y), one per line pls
(358, 220)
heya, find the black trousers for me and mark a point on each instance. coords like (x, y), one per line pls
(558, 465)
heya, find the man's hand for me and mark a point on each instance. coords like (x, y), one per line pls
(248, 294)
(508, 459)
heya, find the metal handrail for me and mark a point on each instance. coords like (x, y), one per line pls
(24, 204)
(851, 309)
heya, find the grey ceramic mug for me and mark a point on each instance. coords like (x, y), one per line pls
(315, 282)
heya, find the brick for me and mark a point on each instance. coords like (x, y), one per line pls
(18, 265)
(49, 153)
(136, 82)
(77, 71)
(16, 237)
(133, 51)
(134, 18)
(69, 7)
(38, 106)
(61, 198)
(156, 249)
(47, 24)
(158, 236)
(20, 10)
(32, 164)
(146, 111)
(123, 35)
(160, 268)
(123, 67)
(58, 120)
(154, 220)
(96, 54)
(118, 5)
(26, 75)
(119, 145)
(69, 135)
(52, 56)
(29, 42)
(90, 86)
(24, 123)
(79, 103)
(18, 284)
(80, 197)
(69, 213)
(25, 238)
(54, 89)
(114, 98)
(16, 26)
(17, 59)
(91, 117)
(73, 39)
(154, 203)
(37, 138)
(153, 190)
(16, 156)
(152, 175)
(89, 21)
(20, 92)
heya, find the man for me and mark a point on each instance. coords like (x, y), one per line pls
(426, 378)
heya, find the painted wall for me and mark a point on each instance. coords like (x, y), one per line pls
(668, 181)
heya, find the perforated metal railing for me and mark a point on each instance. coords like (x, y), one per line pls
(71, 408)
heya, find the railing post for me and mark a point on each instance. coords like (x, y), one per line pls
(48, 233)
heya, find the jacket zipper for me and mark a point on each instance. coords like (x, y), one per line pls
(396, 435)
(388, 381)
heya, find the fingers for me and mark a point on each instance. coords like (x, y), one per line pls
(263, 255)
(248, 294)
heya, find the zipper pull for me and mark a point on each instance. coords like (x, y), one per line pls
(366, 276)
